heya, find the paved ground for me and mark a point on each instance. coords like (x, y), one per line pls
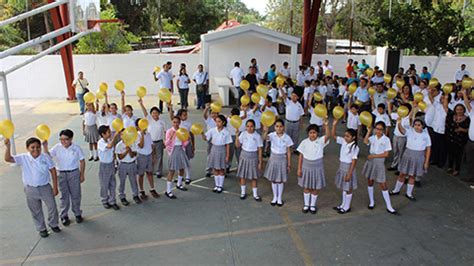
(203, 228)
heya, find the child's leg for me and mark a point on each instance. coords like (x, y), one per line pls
(94, 147)
(48, 198)
(306, 198)
(122, 178)
(74, 182)
(132, 178)
(370, 191)
(216, 178)
(91, 150)
(386, 196)
(112, 184)
(33, 200)
(254, 188)
(221, 174)
(280, 192)
(410, 186)
(399, 184)
(348, 199)
(180, 177)
(140, 182)
(169, 181)
(151, 182)
(64, 200)
(242, 186)
(275, 192)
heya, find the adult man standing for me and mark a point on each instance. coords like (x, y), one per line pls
(285, 70)
(252, 79)
(425, 74)
(201, 79)
(236, 75)
(80, 86)
(461, 73)
(327, 69)
(349, 68)
(164, 77)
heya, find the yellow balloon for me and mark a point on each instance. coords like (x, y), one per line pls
(7, 128)
(262, 90)
(165, 95)
(99, 95)
(358, 103)
(157, 69)
(268, 118)
(366, 118)
(255, 98)
(352, 88)
(402, 111)
(448, 88)
(245, 100)
(391, 93)
(387, 78)
(371, 91)
(422, 105)
(433, 82)
(216, 107)
(103, 87)
(317, 96)
(418, 97)
(466, 83)
(129, 135)
(400, 83)
(320, 110)
(244, 85)
(182, 134)
(43, 132)
(370, 72)
(89, 97)
(143, 123)
(472, 94)
(338, 112)
(119, 85)
(327, 72)
(117, 124)
(141, 92)
(236, 121)
(280, 80)
(196, 128)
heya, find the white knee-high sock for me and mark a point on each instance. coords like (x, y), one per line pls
(398, 186)
(344, 193)
(216, 180)
(370, 190)
(314, 198)
(255, 192)
(220, 180)
(188, 172)
(242, 190)
(306, 197)
(410, 190)
(347, 202)
(180, 181)
(386, 197)
(275, 192)
(169, 186)
(91, 153)
(281, 186)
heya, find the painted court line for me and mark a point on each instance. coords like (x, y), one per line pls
(299, 243)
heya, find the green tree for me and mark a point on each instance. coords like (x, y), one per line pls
(285, 16)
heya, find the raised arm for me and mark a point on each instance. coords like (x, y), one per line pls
(122, 93)
(327, 129)
(366, 138)
(334, 125)
(466, 101)
(106, 97)
(142, 106)
(400, 127)
(205, 115)
(8, 155)
(445, 102)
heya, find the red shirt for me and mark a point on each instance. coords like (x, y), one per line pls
(349, 70)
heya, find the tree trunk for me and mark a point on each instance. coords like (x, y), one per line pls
(310, 20)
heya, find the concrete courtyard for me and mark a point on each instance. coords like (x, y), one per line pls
(204, 228)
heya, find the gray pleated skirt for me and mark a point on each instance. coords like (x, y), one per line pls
(412, 163)
(248, 165)
(92, 134)
(216, 158)
(312, 174)
(276, 170)
(178, 159)
(189, 149)
(375, 170)
(341, 174)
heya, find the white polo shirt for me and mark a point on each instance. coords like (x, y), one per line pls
(382, 117)
(110, 118)
(121, 148)
(106, 155)
(66, 159)
(236, 74)
(280, 144)
(210, 123)
(273, 93)
(379, 145)
(250, 142)
(286, 72)
(147, 144)
(128, 121)
(349, 151)
(313, 150)
(405, 124)
(314, 119)
(156, 128)
(418, 141)
(439, 119)
(165, 79)
(294, 111)
(353, 121)
(34, 171)
(90, 118)
(217, 137)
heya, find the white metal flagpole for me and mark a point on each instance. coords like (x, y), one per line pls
(8, 112)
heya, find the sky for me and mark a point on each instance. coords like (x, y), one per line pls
(258, 5)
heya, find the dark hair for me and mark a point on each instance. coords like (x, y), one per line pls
(31, 141)
(423, 125)
(181, 112)
(103, 129)
(279, 120)
(154, 108)
(269, 98)
(307, 82)
(136, 121)
(274, 84)
(285, 63)
(460, 104)
(381, 105)
(176, 117)
(354, 106)
(114, 104)
(382, 124)
(237, 64)
(312, 127)
(103, 113)
(129, 106)
(407, 105)
(235, 111)
(353, 134)
(223, 119)
(67, 132)
(250, 121)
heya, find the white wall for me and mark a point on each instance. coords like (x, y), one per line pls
(45, 79)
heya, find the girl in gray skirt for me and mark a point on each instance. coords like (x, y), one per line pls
(250, 161)
(279, 163)
(374, 167)
(416, 158)
(346, 178)
(310, 165)
(91, 133)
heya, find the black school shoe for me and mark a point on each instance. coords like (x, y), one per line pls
(392, 169)
(394, 212)
(106, 205)
(392, 193)
(187, 181)
(115, 207)
(137, 200)
(313, 210)
(79, 219)
(182, 188)
(342, 211)
(65, 221)
(56, 229)
(411, 198)
(305, 209)
(170, 195)
(273, 203)
(257, 198)
(44, 233)
(124, 202)
(244, 196)
(280, 204)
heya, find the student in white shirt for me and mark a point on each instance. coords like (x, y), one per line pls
(145, 161)
(233, 132)
(36, 169)
(314, 119)
(416, 159)
(307, 93)
(91, 133)
(311, 167)
(219, 156)
(374, 167)
(273, 93)
(346, 178)
(157, 129)
(70, 164)
(128, 117)
(268, 107)
(353, 120)
(293, 113)
(183, 87)
(251, 158)
(107, 182)
(381, 115)
(438, 138)
(112, 115)
(127, 156)
(279, 164)
(165, 78)
(209, 119)
(285, 70)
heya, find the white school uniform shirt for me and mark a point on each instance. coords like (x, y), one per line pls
(285, 72)
(382, 117)
(210, 123)
(405, 124)
(288, 91)
(217, 137)
(314, 119)
(147, 144)
(380, 98)
(430, 110)
(272, 109)
(460, 74)
(34, 171)
(312, 77)
(273, 92)
(294, 111)
(300, 78)
(66, 159)
(280, 144)
(243, 127)
(349, 151)
(250, 142)
(353, 121)
(183, 82)
(439, 119)
(236, 74)
(156, 128)
(90, 118)
(415, 89)
(342, 90)
(323, 90)
(110, 118)
(128, 121)
(165, 79)
(106, 155)
(230, 128)
(377, 79)
(471, 125)
(418, 141)
(308, 93)
(186, 125)
(121, 147)
(255, 116)
(328, 67)
(454, 102)
(313, 150)
(102, 120)
(379, 145)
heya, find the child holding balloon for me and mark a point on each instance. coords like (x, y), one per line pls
(145, 158)
(218, 159)
(183, 115)
(107, 167)
(127, 113)
(126, 151)
(91, 133)
(310, 165)
(209, 116)
(234, 121)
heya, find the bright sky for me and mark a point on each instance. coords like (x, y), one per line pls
(258, 5)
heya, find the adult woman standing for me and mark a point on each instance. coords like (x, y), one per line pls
(457, 125)
(183, 86)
